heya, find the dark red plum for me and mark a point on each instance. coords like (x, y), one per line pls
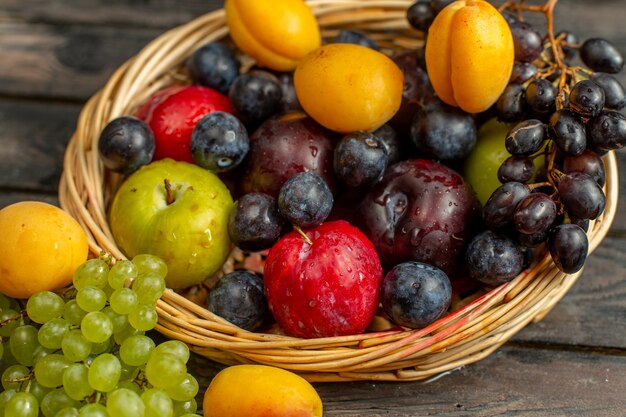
(421, 211)
(284, 146)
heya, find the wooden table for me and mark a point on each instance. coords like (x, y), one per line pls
(54, 55)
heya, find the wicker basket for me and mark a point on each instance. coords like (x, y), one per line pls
(462, 337)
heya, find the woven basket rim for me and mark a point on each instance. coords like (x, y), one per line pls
(459, 338)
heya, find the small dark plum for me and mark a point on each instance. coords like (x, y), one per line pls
(444, 134)
(356, 37)
(290, 102)
(494, 259)
(214, 65)
(255, 96)
(420, 15)
(415, 294)
(126, 144)
(586, 99)
(614, 93)
(219, 142)
(601, 55)
(360, 160)
(255, 223)
(391, 140)
(238, 297)
(569, 246)
(439, 5)
(305, 200)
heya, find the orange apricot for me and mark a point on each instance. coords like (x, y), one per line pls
(469, 55)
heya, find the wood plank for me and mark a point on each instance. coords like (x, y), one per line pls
(513, 381)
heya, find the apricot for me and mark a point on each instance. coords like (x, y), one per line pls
(347, 87)
(260, 391)
(40, 248)
(469, 55)
(275, 33)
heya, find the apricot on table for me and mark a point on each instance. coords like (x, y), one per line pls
(275, 33)
(347, 87)
(260, 391)
(41, 246)
(469, 54)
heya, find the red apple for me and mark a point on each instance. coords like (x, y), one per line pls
(172, 115)
(327, 286)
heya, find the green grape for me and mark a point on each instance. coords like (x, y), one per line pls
(14, 376)
(73, 313)
(76, 382)
(128, 371)
(93, 410)
(123, 300)
(108, 291)
(67, 412)
(104, 347)
(41, 352)
(165, 370)
(184, 391)
(122, 274)
(131, 386)
(189, 415)
(149, 288)
(5, 396)
(1, 350)
(185, 407)
(96, 327)
(136, 350)
(23, 342)
(12, 319)
(174, 347)
(125, 334)
(91, 299)
(49, 370)
(75, 346)
(104, 372)
(51, 333)
(149, 263)
(5, 302)
(55, 401)
(22, 404)
(93, 273)
(143, 318)
(44, 306)
(157, 403)
(38, 390)
(125, 403)
(120, 321)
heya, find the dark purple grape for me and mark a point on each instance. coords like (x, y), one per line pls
(534, 214)
(255, 96)
(356, 37)
(305, 200)
(569, 38)
(439, 5)
(614, 93)
(510, 17)
(527, 41)
(360, 159)
(586, 99)
(581, 195)
(533, 240)
(238, 297)
(391, 141)
(601, 56)
(494, 259)
(219, 142)
(517, 169)
(568, 132)
(582, 223)
(522, 72)
(511, 105)
(126, 144)
(255, 223)
(541, 95)
(415, 294)
(499, 208)
(525, 138)
(214, 65)
(420, 15)
(607, 131)
(444, 134)
(588, 162)
(569, 246)
(289, 102)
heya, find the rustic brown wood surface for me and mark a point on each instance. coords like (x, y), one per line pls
(573, 363)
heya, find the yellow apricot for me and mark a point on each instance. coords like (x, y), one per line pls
(275, 33)
(260, 391)
(347, 87)
(40, 248)
(469, 55)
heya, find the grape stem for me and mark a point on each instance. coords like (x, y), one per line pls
(18, 316)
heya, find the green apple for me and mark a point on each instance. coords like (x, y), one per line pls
(177, 211)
